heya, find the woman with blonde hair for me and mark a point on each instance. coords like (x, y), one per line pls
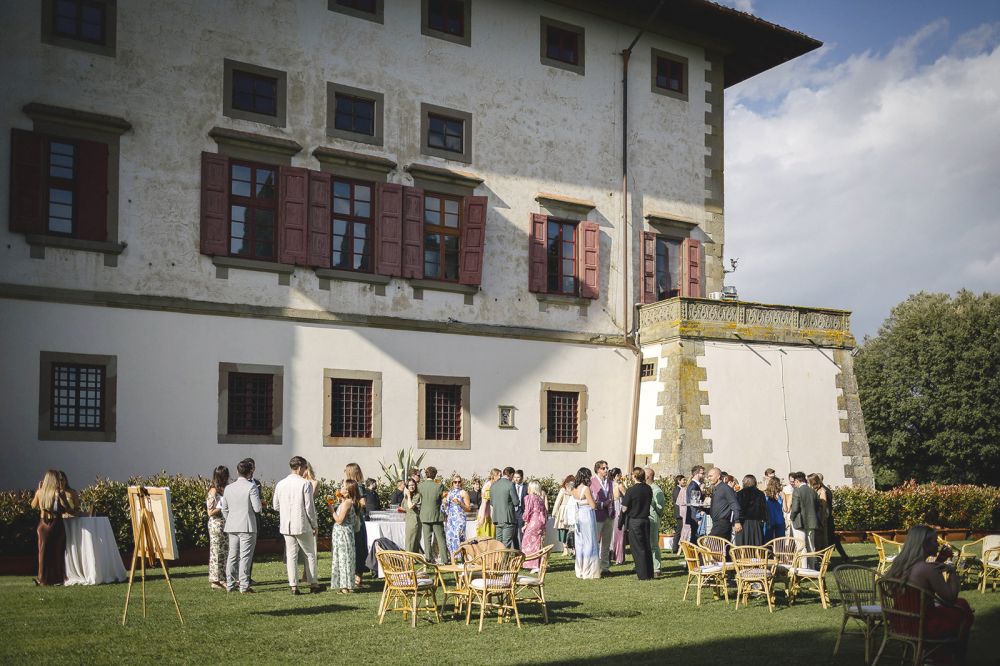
(564, 515)
(484, 521)
(342, 537)
(947, 616)
(51, 503)
(454, 506)
(353, 472)
(535, 518)
(774, 526)
(309, 474)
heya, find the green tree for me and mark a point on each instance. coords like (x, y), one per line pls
(930, 390)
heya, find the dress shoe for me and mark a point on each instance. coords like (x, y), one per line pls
(249, 590)
(295, 592)
(315, 589)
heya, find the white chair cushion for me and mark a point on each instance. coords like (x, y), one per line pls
(527, 580)
(865, 610)
(490, 583)
(806, 572)
(890, 558)
(712, 568)
(992, 564)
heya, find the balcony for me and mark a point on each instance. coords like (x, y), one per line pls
(740, 321)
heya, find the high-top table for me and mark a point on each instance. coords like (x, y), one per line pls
(92, 556)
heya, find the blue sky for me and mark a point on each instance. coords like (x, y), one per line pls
(870, 169)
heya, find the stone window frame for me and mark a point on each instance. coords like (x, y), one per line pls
(655, 54)
(378, 100)
(454, 444)
(543, 427)
(580, 31)
(70, 123)
(426, 110)
(110, 30)
(647, 361)
(375, 378)
(277, 403)
(45, 431)
(281, 93)
(425, 29)
(377, 17)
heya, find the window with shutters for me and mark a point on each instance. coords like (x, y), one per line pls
(669, 74)
(253, 195)
(87, 25)
(563, 411)
(560, 246)
(442, 228)
(78, 394)
(671, 262)
(250, 403)
(352, 412)
(668, 267)
(370, 10)
(446, 133)
(252, 92)
(443, 412)
(447, 19)
(64, 181)
(351, 224)
(562, 45)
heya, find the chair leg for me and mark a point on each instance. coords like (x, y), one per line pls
(468, 609)
(836, 646)
(413, 610)
(767, 591)
(482, 608)
(698, 594)
(881, 649)
(686, 586)
(517, 616)
(545, 606)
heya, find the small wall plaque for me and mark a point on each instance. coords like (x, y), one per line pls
(505, 417)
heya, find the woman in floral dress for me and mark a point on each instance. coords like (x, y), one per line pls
(218, 541)
(454, 506)
(342, 537)
(535, 517)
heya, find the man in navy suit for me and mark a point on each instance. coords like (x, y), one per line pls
(521, 488)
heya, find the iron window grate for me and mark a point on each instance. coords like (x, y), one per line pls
(563, 417)
(251, 403)
(351, 408)
(78, 397)
(443, 411)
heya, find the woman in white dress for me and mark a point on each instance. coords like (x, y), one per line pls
(564, 515)
(588, 563)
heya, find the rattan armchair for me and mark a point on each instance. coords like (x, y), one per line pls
(703, 571)
(531, 587)
(971, 559)
(785, 550)
(887, 550)
(407, 582)
(991, 569)
(803, 577)
(904, 608)
(859, 598)
(719, 548)
(496, 586)
(755, 566)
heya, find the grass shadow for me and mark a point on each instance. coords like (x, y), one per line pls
(303, 610)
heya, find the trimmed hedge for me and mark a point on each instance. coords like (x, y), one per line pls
(975, 507)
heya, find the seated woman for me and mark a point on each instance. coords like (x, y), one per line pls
(947, 616)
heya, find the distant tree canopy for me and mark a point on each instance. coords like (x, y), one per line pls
(930, 390)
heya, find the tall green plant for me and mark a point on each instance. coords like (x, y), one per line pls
(400, 469)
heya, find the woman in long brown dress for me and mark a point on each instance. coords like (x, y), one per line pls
(51, 502)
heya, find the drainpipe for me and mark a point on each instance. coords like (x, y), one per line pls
(626, 240)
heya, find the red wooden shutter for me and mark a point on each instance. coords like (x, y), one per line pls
(470, 263)
(319, 219)
(648, 267)
(389, 229)
(590, 259)
(413, 232)
(91, 191)
(537, 265)
(293, 191)
(27, 164)
(214, 204)
(691, 251)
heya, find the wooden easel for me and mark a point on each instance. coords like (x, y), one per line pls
(146, 548)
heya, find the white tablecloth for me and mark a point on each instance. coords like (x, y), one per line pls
(92, 554)
(395, 531)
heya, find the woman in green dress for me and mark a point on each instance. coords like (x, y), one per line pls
(342, 536)
(411, 506)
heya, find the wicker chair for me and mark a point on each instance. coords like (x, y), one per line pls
(991, 569)
(785, 550)
(719, 547)
(970, 558)
(496, 586)
(904, 609)
(804, 577)
(531, 587)
(887, 550)
(407, 581)
(702, 571)
(755, 566)
(859, 598)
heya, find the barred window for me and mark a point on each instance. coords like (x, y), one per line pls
(563, 417)
(77, 397)
(250, 403)
(648, 369)
(351, 408)
(443, 405)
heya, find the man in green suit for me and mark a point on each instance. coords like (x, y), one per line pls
(431, 520)
(805, 511)
(503, 507)
(655, 508)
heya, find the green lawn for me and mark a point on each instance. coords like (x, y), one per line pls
(617, 617)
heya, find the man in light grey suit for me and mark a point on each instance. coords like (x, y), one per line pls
(503, 507)
(293, 500)
(240, 511)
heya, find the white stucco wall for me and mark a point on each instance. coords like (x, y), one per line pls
(535, 128)
(773, 406)
(647, 432)
(168, 392)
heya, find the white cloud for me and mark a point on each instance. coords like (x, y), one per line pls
(867, 180)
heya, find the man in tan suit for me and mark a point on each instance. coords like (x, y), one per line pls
(293, 500)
